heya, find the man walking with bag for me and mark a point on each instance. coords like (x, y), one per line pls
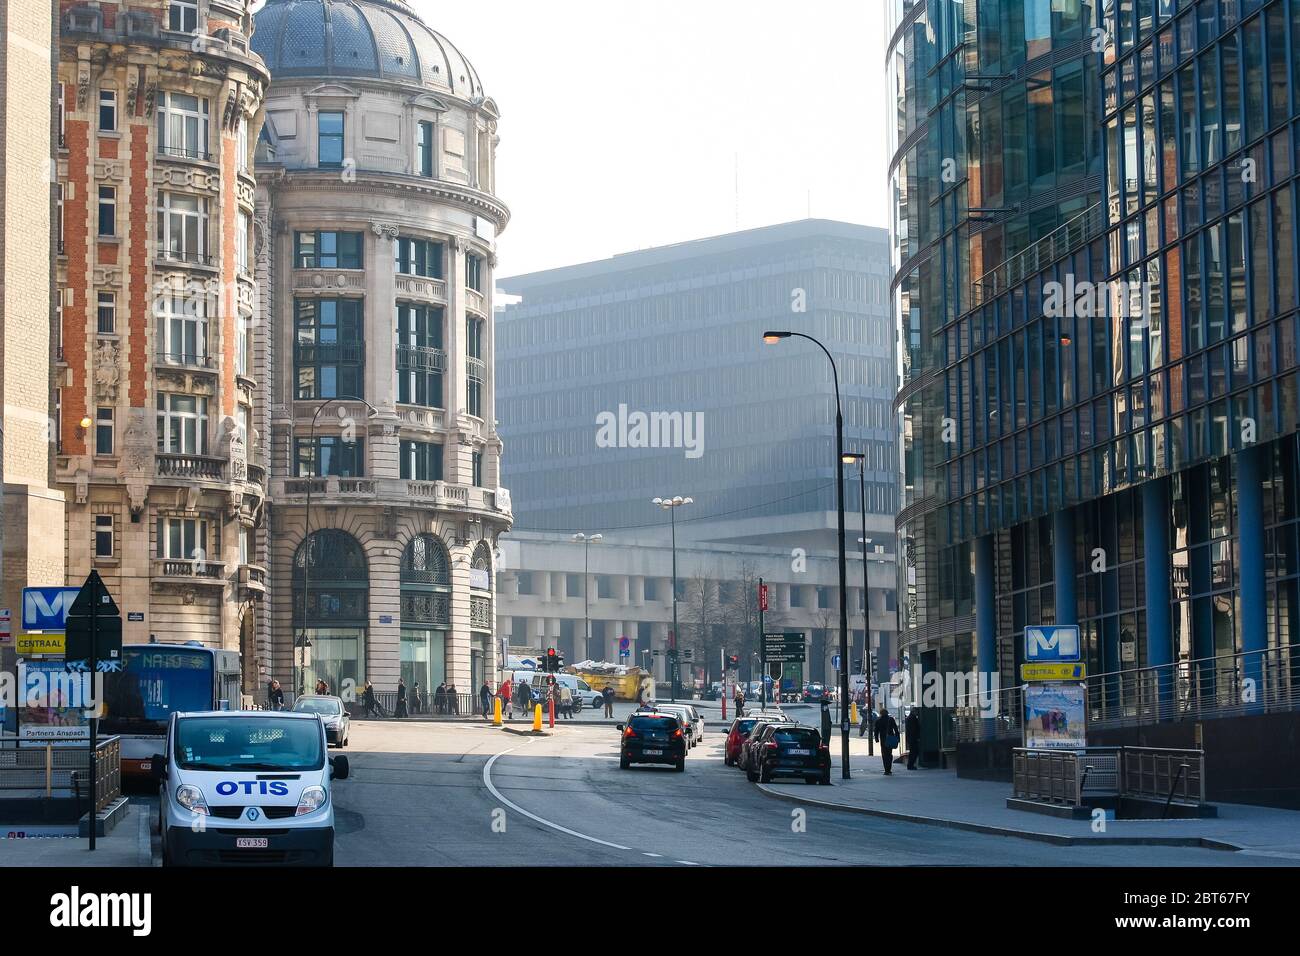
(886, 731)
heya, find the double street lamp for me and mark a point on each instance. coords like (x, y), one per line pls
(587, 540)
(772, 338)
(671, 505)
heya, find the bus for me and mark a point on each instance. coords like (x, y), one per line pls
(157, 680)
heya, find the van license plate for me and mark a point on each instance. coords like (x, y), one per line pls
(251, 843)
(654, 753)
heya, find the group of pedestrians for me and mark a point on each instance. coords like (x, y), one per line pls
(885, 731)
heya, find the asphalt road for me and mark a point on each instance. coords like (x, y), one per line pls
(437, 794)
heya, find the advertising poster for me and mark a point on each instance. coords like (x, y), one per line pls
(1056, 716)
(49, 716)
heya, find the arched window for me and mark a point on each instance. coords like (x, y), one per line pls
(425, 561)
(483, 562)
(331, 585)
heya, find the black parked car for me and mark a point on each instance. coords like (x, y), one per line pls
(650, 737)
(789, 750)
(746, 761)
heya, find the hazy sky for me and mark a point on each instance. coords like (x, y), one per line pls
(622, 124)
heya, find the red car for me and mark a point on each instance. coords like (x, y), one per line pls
(739, 733)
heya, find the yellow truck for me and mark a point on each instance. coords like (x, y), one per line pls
(625, 686)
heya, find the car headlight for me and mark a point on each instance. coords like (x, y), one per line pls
(312, 799)
(191, 798)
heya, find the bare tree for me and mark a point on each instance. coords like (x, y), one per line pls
(704, 615)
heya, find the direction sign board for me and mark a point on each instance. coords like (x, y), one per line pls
(835, 662)
(1051, 643)
(781, 646)
(1061, 671)
(46, 609)
(762, 597)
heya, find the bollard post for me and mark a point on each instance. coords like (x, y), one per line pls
(550, 712)
(537, 718)
(853, 713)
(496, 712)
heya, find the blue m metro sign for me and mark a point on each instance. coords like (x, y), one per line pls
(1052, 642)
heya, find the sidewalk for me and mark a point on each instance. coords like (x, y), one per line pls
(127, 844)
(941, 798)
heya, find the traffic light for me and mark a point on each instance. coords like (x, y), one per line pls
(551, 663)
(733, 661)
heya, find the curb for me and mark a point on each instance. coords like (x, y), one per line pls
(526, 733)
(1204, 843)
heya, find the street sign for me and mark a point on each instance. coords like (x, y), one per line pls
(835, 661)
(36, 645)
(1062, 671)
(762, 597)
(624, 645)
(46, 609)
(135, 615)
(107, 625)
(6, 626)
(781, 646)
(1051, 643)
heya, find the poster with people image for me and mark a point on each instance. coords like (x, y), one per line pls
(1055, 715)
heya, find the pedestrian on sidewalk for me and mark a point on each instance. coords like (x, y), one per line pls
(322, 687)
(524, 696)
(504, 693)
(826, 722)
(912, 727)
(886, 731)
(417, 699)
(400, 710)
(485, 697)
(275, 696)
(453, 700)
(440, 699)
(740, 701)
(368, 698)
(608, 695)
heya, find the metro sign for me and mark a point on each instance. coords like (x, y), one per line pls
(46, 609)
(1052, 643)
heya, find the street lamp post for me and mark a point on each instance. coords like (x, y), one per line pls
(586, 540)
(772, 338)
(867, 673)
(671, 505)
(299, 667)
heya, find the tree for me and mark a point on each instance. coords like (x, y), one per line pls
(705, 617)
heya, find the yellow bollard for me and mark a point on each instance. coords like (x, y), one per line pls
(496, 712)
(537, 718)
(853, 713)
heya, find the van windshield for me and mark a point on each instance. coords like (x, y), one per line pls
(248, 743)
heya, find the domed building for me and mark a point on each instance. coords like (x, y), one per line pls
(375, 234)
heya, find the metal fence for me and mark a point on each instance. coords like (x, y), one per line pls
(1066, 777)
(61, 770)
(1229, 685)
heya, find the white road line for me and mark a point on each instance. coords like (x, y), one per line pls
(687, 863)
(659, 855)
(487, 782)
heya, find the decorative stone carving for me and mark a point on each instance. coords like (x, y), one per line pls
(234, 449)
(108, 169)
(83, 486)
(83, 77)
(107, 372)
(132, 90)
(384, 230)
(138, 443)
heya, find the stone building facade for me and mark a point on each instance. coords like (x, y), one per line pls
(159, 107)
(377, 223)
(32, 548)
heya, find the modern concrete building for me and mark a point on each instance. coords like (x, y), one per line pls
(645, 376)
(1095, 281)
(377, 222)
(31, 546)
(159, 104)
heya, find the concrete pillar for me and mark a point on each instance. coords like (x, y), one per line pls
(1251, 464)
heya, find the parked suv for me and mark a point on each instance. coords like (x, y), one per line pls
(746, 759)
(739, 733)
(789, 750)
(652, 737)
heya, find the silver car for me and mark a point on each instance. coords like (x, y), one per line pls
(332, 713)
(689, 716)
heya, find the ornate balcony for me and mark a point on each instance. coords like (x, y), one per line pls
(191, 467)
(421, 358)
(475, 302)
(252, 577)
(421, 288)
(191, 570)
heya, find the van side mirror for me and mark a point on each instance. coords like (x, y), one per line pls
(339, 767)
(618, 726)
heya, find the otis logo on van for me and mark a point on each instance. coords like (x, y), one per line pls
(275, 788)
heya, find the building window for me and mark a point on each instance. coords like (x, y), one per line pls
(183, 16)
(330, 138)
(247, 545)
(421, 460)
(108, 210)
(62, 110)
(181, 323)
(241, 157)
(183, 227)
(108, 111)
(329, 350)
(106, 313)
(183, 125)
(424, 147)
(182, 539)
(182, 424)
(59, 237)
(330, 456)
(418, 257)
(474, 349)
(327, 250)
(474, 272)
(420, 356)
(243, 343)
(103, 536)
(476, 464)
(241, 243)
(103, 431)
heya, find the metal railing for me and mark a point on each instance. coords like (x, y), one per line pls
(448, 705)
(1040, 254)
(190, 466)
(1159, 773)
(1230, 685)
(421, 358)
(189, 568)
(55, 770)
(181, 255)
(185, 152)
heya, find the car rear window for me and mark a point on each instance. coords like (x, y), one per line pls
(745, 726)
(664, 724)
(797, 736)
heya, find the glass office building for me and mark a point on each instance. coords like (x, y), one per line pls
(1095, 265)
